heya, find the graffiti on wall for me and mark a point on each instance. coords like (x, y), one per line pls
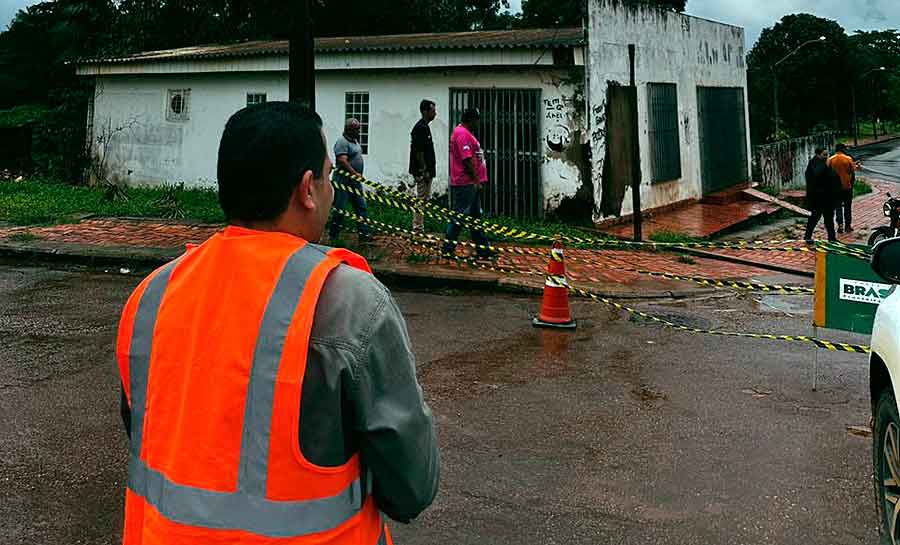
(558, 138)
(559, 118)
(554, 109)
(783, 164)
(598, 146)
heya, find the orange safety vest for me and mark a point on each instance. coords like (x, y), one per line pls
(212, 350)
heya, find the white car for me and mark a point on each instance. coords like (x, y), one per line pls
(884, 380)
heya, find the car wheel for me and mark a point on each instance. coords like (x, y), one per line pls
(886, 454)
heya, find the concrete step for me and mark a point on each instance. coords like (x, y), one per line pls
(728, 196)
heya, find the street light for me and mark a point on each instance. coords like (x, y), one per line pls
(853, 100)
(775, 75)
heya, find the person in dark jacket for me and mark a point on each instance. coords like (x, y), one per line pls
(821, 193)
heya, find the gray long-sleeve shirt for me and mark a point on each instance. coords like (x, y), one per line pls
(360, 394)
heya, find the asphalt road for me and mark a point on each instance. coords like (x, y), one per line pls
(621, 432)
(881, 160)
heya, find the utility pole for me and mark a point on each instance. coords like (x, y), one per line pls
(853, 98)
(636, 152)
(777, 115)
(854, 126)
(775, 77)
(301, 70)
(875, 115)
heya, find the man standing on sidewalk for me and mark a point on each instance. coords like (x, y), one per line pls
(468, 174)
(349, 158)
(822, 190)
(845, 167)
(422, 163)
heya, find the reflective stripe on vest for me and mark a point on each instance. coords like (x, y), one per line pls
(246, 509)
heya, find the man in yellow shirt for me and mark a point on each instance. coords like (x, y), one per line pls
(845, 167)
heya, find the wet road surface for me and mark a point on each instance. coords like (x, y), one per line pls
(621, 432)
(881, 160)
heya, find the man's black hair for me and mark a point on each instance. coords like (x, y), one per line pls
(426, 105)
(819, 150)
(472, 114)
(264, 153)
(841, 147)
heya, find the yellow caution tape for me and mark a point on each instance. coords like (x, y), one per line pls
(560, 281)
(815, 341)
(709, 282)
(819, 343)
(435, 211)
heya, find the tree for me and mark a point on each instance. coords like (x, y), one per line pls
(879, 92)
(569, 13)
(41, 40)
(812, 92)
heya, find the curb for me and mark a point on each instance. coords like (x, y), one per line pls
(86, 255)
(749, 262)
(399, 276)
(876, 143)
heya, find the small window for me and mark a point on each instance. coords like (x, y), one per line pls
(178, 105)
(256, 98)
(356, 105)
(665, 146)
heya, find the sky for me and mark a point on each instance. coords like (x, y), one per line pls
(753, 15)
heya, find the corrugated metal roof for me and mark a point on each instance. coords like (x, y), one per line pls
(529, 38)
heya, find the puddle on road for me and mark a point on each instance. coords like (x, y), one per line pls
(536, 354)
(533, 356)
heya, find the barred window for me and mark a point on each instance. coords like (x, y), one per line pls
(256, 98)
(665, 146)
(178, 105)
(356, 105)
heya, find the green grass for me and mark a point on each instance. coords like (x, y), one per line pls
(861, 187)
(865, 131)
(672, 237)
(769, 190)
(403, 219)
(21, 115)
(415, 258)
(39, 201)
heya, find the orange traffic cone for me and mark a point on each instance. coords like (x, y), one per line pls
(555, 307)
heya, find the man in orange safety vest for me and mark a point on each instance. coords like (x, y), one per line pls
(269, 386)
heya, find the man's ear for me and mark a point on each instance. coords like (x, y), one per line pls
(303, 191)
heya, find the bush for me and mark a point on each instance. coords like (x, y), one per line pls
(861, 187)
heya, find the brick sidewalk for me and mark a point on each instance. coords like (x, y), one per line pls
(599, 269)
(867, 214)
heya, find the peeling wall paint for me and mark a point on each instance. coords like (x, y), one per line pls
(155, 151)
(670, 48)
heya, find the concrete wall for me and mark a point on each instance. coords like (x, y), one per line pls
(782, 165)
(145, 148)
(671, 48)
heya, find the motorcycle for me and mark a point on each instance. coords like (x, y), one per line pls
(891, 210)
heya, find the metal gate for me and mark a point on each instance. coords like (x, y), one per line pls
(510, 138)
(723, 137)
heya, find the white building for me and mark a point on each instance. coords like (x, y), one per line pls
(556, 123)
(693, 128)
(157, 117)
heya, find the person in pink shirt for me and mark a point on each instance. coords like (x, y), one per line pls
(468, 174)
